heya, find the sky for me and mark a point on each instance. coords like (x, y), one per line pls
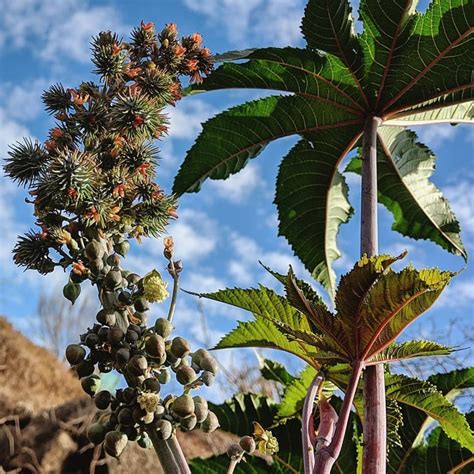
(225, 229)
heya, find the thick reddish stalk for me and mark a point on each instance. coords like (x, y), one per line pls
(327, 456)
(375, 418)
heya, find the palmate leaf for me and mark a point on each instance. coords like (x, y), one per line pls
(420, 211)
(413, 455)
(272, 370)
(233, 137)
(312, 200)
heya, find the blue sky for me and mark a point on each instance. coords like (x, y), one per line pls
(224, 230)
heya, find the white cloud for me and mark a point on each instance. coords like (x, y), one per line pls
(461, 198)
(22, 102)
(434, 135)
(458, 295)
(56, 29)
(239, 187)
(275, 21)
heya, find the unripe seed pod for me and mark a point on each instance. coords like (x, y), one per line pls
(209, 364)
(164, 376)
(138, 414)
(207, 378)
(75, 354)
(122, 248)
(151, 384)
(137, 365)
(188, 423)
(247, 443)
(94, 250)
(96, 433)
(129, 395)
(133, 278)
(234, 451)
(164, 429)
(155, 346)
(199, 354)
(125, 417)
(122, 356)
(185, 375)
(113, 279)
(96, 266)
(84, 368)
(163, 327)
(116, 335)
(141, 305)
(114, 443)
(211, 423)
(113, 260)
(92, 340)
(109, 299)
(131, 336)
(125, 297)
(106, 317)
(131, 432)
(144, 441)
(183, 406)
(102, 399)
(136, 328)
(180, 347)
(91, 384)
(71, 291)
(103, 333)
(201, 409)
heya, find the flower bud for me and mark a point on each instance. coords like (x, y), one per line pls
(94, 250)
(164, 376)
(141, 305)
(115, 336)
(199, 354)
(113, 280)
(84, 368)
(125, 417)
(234, 451)
(106, 317)
(247, 443)
(151, 384)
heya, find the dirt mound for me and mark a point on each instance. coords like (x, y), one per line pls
(43, 418)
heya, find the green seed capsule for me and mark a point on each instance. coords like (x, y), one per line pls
(141, 305)
(137, 365)
(75, 354)
(164, 376)
(209, 364)
(155, 346)
(247, 443)
(188, 423)
(185, 375)
(96, 433)
(183, 406)
(199, 354)
(84, 368)
(94, 250)
(114, 443)
(234, 451)
(106, 317)
(207, 378)
(125, 417)
(91, 384)
(201, 409)
(164, 429)
(180, 347)
(210, 424)
(163, 327)
(113, 280)
(151, 384)
(102, 399)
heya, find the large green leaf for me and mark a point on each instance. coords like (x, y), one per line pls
(402, 459)
(435, 60)
(426, 398)
(233, 137)
(409, 350)
(220, 465)
(311, 197)
(272, 370)
(420, 211)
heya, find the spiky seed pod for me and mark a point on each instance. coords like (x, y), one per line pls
(151, 384)
(183, 406)
(180, 347)
(84, 368)
(163, 327)
(96, 433)
(188, 423)
(102, 399)
(32, 252)
(207, 378)
(114, 443)
(75, 354)
(247, 443)
(56, 99)
(164, 429)
(125, 417)
(155, 346)
(185, 375)
(91, 384)
(113, 280)
(209, 364)
(234, 451)
(201, 409)
(122, 356)
(26, 161)
(106, 317)
(116, 335)
(164, 376)
(137, 365)
(198, 355)
(211, 423)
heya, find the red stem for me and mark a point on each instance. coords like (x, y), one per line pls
(307, 423)
(327, 455)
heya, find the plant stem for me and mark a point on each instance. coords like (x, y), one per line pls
(174, 295)
(170, 454)
(375, 418)
(327, 455)
(308, 447)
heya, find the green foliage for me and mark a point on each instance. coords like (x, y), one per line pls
(275, 371)
(399, 69)
(404, 167)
